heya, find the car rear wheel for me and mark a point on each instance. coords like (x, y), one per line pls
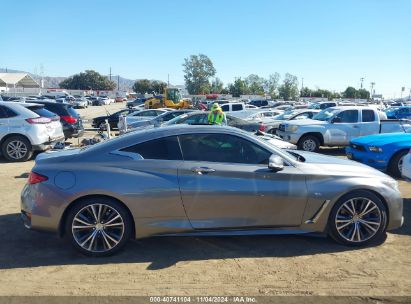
(98, 226)
(395, 165)
(358, 218)
(17, 149)
(309, 143)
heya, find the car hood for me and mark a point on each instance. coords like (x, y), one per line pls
(305, 122)
(383, 139)
(330, 165)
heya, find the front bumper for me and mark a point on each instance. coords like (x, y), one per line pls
(290, 137)
(373, 159)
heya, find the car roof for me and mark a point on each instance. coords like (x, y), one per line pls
(17, 104)
(350, 108)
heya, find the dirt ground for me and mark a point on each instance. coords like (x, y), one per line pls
(33, 263)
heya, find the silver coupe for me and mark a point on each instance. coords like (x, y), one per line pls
(203, 180)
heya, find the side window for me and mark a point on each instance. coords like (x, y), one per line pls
(166, 148)
(264, 103)
(222, 148)
(348, 116)
(5, 112)
(368, 115)
(237, 107)
(225, 108)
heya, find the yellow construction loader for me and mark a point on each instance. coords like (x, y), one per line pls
(170, 99)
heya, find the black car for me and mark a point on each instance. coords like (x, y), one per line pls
(259, 103)
(69, 118)
(159, 120)
(136, 102)
(99, 122)
(201, 118)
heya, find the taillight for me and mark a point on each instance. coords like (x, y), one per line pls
(262, 127)
(35, 178)
(69, 119)
(38, 120)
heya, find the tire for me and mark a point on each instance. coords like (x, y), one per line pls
(309, 143)
(96, 239)
(396, 162)
(369, 232)
(17, 149)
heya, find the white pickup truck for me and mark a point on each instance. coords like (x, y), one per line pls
(336, 126)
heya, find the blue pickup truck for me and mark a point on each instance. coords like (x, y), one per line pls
(384, 152)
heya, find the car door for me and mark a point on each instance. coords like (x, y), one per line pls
(225, 183)
(4, 122)
(345, 126)
(369, 123)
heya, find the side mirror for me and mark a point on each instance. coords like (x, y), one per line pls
(275, 163)
(336, 120)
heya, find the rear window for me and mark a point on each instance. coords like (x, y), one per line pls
(41, 111)
(368, 116)
(237, 107)
(166, 148)
(72, 112)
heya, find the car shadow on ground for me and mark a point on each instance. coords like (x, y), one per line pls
(406, 227)
(23, 249)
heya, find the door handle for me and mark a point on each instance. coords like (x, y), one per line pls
(202, 170)
(355, 127)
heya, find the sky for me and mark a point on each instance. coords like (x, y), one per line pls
(332, 44)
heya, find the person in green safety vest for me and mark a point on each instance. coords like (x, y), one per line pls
(217, 116)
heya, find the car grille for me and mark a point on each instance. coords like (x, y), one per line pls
(357, 147)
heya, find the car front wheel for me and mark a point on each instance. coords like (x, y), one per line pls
(358, 218)
(309, 143)
(98, 226)
(395, 165)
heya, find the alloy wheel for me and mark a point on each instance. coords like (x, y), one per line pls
(358, 220)
(98, 228)
(309, 145)
(16, 149)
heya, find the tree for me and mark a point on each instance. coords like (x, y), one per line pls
(238, 88)
(197, 71)
(255, 84)
(305, 92)
(142, 86)
(271, 85)
(216, 86)
(157, 86)
(89, 80)
(350, 92)
(363, 94)
(289, 89)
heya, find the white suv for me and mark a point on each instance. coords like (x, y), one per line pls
(25, 128)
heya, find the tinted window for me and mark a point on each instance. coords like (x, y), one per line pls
(222, 148)
(72, 112)
(55, 108)
(195, 119)
(41, 111)
(163, 148)
(237, 107)
(368, 115)
(5, 112)
(348, 116)
(225, 108)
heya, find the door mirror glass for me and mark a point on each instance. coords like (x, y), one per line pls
(275, 163)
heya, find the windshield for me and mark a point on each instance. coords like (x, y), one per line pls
(176, 120)
(283, 116)
(325, 114)
(314, 106)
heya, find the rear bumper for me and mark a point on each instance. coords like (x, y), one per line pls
(72, 131)
(47, 145)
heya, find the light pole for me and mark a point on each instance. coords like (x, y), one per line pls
(372, 88)
(361, 79)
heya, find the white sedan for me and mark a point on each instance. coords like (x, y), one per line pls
(406, 166)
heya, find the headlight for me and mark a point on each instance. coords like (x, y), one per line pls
(375, 149)
(292, 128)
